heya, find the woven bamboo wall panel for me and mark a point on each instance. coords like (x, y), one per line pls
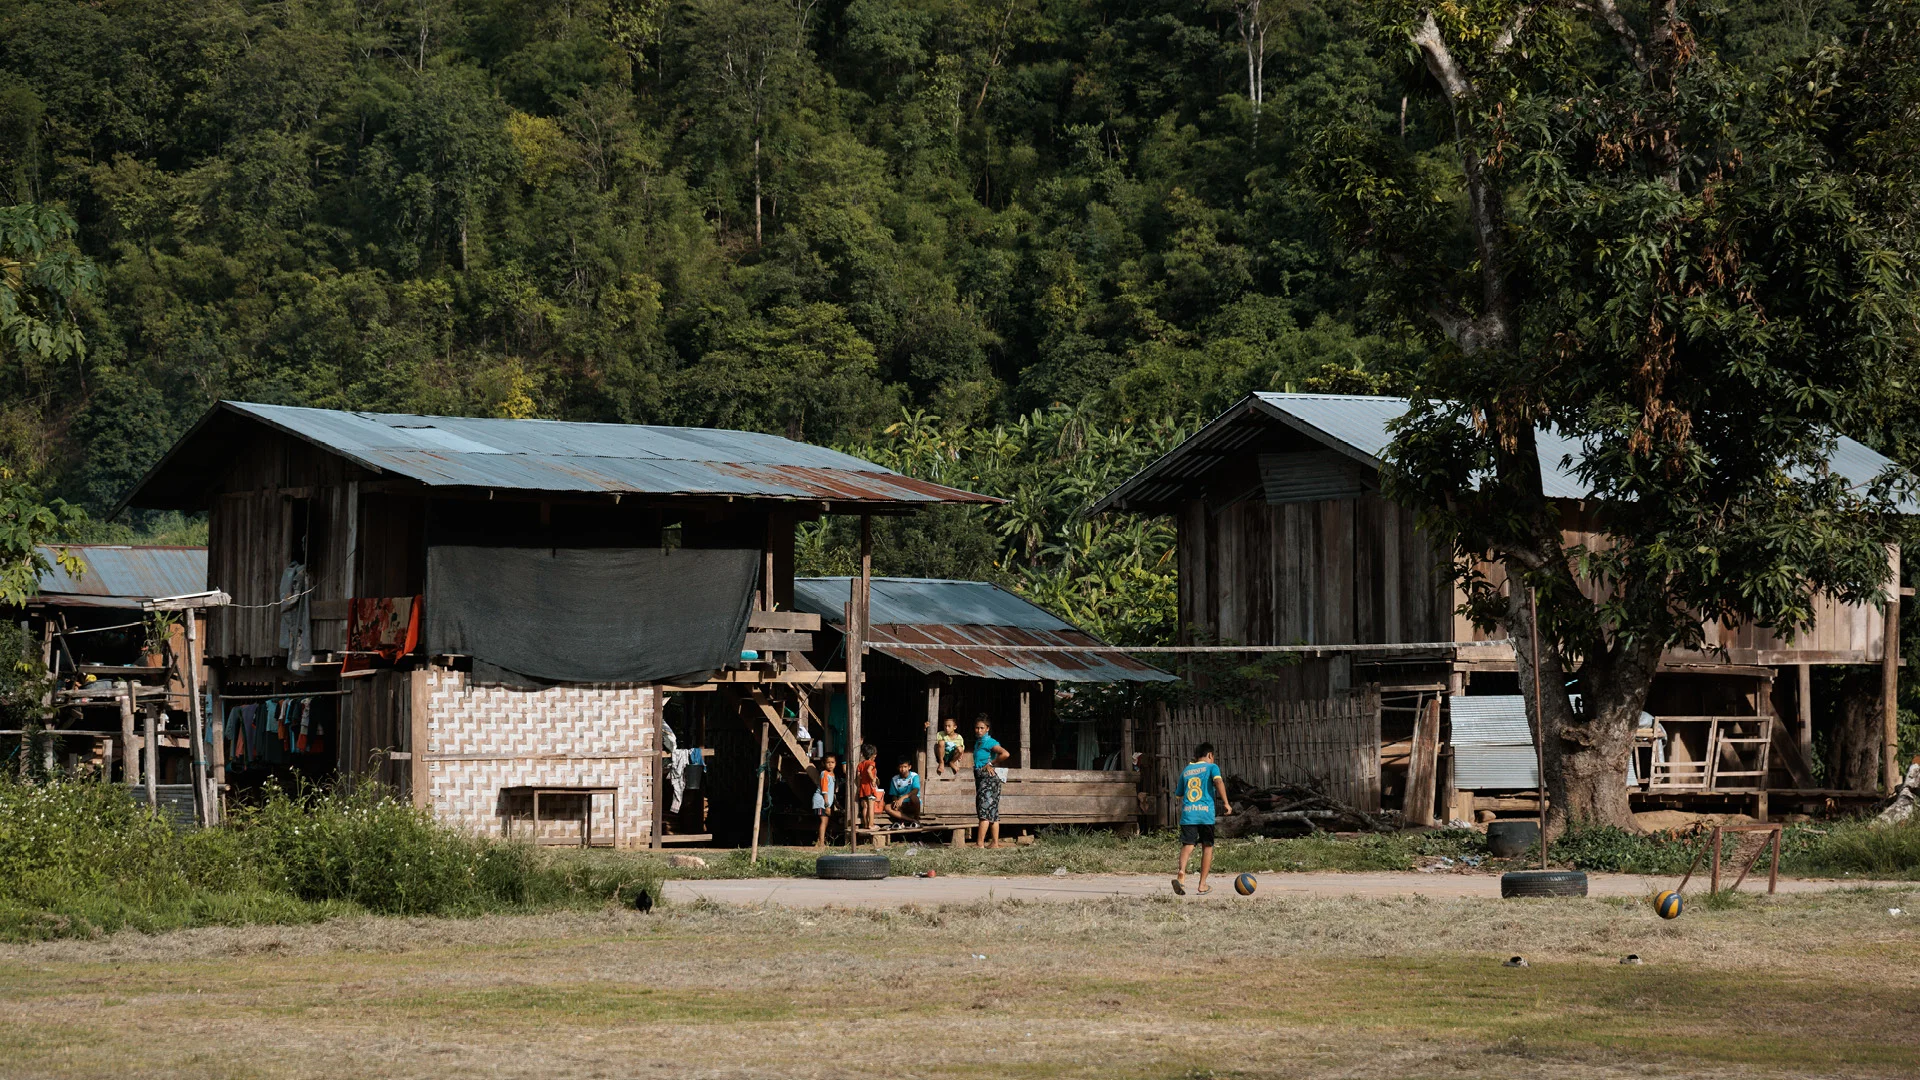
(1332, 746)
(482, 739)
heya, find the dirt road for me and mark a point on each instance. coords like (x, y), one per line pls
(898, 891)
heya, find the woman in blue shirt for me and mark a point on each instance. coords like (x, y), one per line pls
(987, 780)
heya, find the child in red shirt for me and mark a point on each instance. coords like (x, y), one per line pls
(866, 777)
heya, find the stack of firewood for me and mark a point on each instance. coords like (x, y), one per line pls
(1293, 810)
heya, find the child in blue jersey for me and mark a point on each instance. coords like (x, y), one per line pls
(1198, 783)
(903, 795)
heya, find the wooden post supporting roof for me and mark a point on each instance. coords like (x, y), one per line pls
(1890, 678)
(1803, 711)
(203, 794)
(1026, 728)
(129, 758)
(930, 765)
(858, 606)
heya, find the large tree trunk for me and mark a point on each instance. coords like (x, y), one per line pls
(1853, 752)
(1586, 753)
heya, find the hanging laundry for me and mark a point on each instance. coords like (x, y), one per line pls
(296, 617)
(305, 742)
(380, 628)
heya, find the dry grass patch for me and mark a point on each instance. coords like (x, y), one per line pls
(1125, 988)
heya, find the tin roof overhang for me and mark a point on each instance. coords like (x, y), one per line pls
(917, 620)
(467, 454)
(119, 575)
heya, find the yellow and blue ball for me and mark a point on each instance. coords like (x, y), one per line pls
(1667, 905)
(1245, 884)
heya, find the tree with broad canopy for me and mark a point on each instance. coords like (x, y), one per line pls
(1697, 276)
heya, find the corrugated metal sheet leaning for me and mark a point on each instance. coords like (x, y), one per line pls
(564, 456)
(120, 575)
(912, 618)
(1493, 744)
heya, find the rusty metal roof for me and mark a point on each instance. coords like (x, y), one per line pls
(913, 617)
(1359, 428)
(547, 456)
(121, 576)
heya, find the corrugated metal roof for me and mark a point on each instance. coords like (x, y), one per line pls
(1493, 743)
(560, 456)
(927, 600)
(1358, 427)
(120, 576)
(913, 617)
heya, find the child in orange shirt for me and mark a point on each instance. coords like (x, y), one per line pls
(866, 777)
(823, 798)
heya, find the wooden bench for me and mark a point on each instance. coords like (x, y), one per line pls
(1034, 797)
(584, 794)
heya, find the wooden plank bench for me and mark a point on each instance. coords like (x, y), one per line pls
(1034, 797)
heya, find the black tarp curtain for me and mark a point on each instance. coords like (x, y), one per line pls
(533, 617)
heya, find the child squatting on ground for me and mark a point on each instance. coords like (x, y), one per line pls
(823, 796)
(1198, 782)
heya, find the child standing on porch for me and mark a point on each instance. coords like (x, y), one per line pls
(866, 776)
(823, 797)
(1198, 782)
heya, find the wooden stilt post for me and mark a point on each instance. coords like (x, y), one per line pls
(1540, 726)
(152, 748)
(931, 764)
(129, 757)
(1026, 728)
(1890, 678)
(1714, 839)
(217, 728)
(202, 792)
(759, 797)
(857, 609)
(1803, 711)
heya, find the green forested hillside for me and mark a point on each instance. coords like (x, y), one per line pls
(813, 217)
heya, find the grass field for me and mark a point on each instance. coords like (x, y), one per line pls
(1791, 986)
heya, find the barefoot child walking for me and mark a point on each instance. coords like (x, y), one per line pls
(1198, 783)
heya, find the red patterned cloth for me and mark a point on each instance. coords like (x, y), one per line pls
(380, 628)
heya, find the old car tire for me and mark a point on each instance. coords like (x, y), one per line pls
(851, 867)
(1512, 837)
(1523, 883)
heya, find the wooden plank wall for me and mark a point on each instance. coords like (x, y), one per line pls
(1841, 634)
(249, 541)
(1331, 745)
(376, 723)
(1335, 572)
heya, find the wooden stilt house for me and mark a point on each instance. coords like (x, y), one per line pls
(482, 613)
(1285, 538)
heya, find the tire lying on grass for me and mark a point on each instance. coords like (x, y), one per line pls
(1524, 883)
(851, 867)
